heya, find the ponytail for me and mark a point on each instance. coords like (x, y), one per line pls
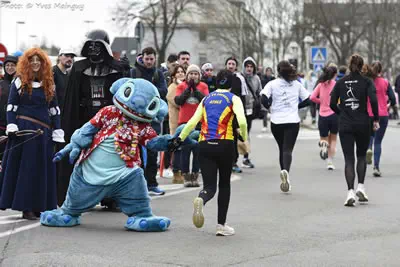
(367, 71)
(376, 69)
(356, 63)
(287, 71)
(328, 74)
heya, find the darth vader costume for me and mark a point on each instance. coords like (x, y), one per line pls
(87, 92)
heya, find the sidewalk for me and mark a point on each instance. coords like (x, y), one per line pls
(394, 123)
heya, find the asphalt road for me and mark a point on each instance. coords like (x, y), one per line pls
(309, 227)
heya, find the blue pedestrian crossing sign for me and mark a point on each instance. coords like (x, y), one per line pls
(318, 67)
(319, 55)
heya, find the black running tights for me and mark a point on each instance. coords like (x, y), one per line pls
(360, 137)
(215, 157)
(286, 136)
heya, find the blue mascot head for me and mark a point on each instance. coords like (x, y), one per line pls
(139, 100)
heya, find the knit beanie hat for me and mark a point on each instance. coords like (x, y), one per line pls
(193, 68)
(10, 58)
(207, 66)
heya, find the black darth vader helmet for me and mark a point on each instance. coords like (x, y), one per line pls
(97, 42)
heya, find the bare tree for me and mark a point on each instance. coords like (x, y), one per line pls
(257, 9)
(302, 28)
(51, 50)
(280, 18)
(382, 36)
(342, 24)
(238, 31)
(160, 16)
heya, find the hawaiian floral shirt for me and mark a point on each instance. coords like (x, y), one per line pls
(128, 135)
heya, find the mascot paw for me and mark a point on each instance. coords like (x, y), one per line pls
(57, 218)
(148, 224)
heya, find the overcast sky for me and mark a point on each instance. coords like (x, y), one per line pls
(60, 22)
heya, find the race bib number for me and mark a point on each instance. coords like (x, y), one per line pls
(249, 111)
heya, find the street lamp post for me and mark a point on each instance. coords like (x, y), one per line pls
(33, 40)
(16, 32)
(2, 2)
(308, 40)
(88, 23)
(241, 31)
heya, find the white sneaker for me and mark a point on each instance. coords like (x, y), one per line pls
(362, 196)
(224, 230)
(198, 216)
(264, 129)
(330, 166)
(168, 174)
(351, 199)
(285, 185)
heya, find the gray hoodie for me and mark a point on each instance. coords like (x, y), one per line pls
(254, 82)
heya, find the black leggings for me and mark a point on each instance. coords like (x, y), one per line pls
(215, 156)
(286, 136)
(360, 136)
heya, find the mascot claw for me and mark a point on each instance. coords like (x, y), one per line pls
(149, 224)
(70, 149)
(57, 218)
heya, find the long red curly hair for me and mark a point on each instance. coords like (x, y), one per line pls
(45, 74)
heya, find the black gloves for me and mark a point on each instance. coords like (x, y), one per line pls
(125, 62)
(192, 85)
(174, 144)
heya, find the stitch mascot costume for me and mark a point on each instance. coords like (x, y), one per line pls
(109, 161)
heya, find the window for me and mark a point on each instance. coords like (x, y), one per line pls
(203, 34)
(202, 58)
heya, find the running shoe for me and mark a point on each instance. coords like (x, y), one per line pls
(224, 230)
(324, 150)
(377, 172)
(264, 129)
(330, 166)
(351, 199)
(362, 196)
(369, 156)
(236, 169)
(285, 185)
(247, 164)
(168, 174)
(198, 216)
(155, 191)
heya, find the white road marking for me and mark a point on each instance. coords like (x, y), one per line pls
(186, 189)
(31, 226)
(11, 221)
(19, 229)
(8, 217)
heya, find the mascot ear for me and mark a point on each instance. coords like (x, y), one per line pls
(162, 112)
(117, 84)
